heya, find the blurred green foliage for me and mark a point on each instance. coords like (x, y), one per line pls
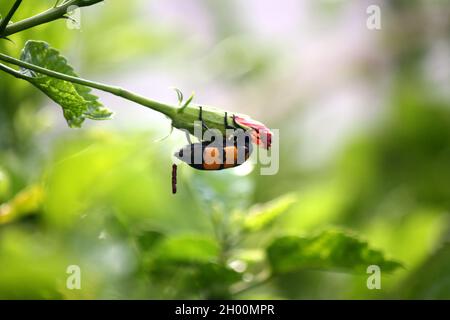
(329, 250)
(100, 198)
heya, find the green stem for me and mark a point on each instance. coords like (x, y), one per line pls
(213, 118)
(181, 119)
(46, 16)
(12, 72)
(118, 91)
(8, 17)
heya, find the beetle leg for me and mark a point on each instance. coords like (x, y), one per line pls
(204, 126)
(227, 126)
(233, 137)
(200, 117)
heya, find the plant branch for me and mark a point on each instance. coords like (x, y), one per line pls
(185, 120)
(118, 91)
(5, 21)
(52, 14)
(12, 72)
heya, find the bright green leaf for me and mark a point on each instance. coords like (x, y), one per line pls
(148, 239)
(214, 272)
(262, 216)
(76, 100)
(330, 250)
(186, 249)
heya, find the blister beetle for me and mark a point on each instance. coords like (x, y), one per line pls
(215, 154)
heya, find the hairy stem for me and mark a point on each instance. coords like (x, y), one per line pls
(52, 14)
(5, 21)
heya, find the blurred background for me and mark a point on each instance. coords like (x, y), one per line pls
(364, 119)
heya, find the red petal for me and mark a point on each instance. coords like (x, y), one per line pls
(262, 135)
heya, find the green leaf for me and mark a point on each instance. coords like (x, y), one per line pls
(147, 240)
(213, 272)
(262, 216)
(192, 260)
(76, 100)
(187, 249)
(206, 280)
(330, 250)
